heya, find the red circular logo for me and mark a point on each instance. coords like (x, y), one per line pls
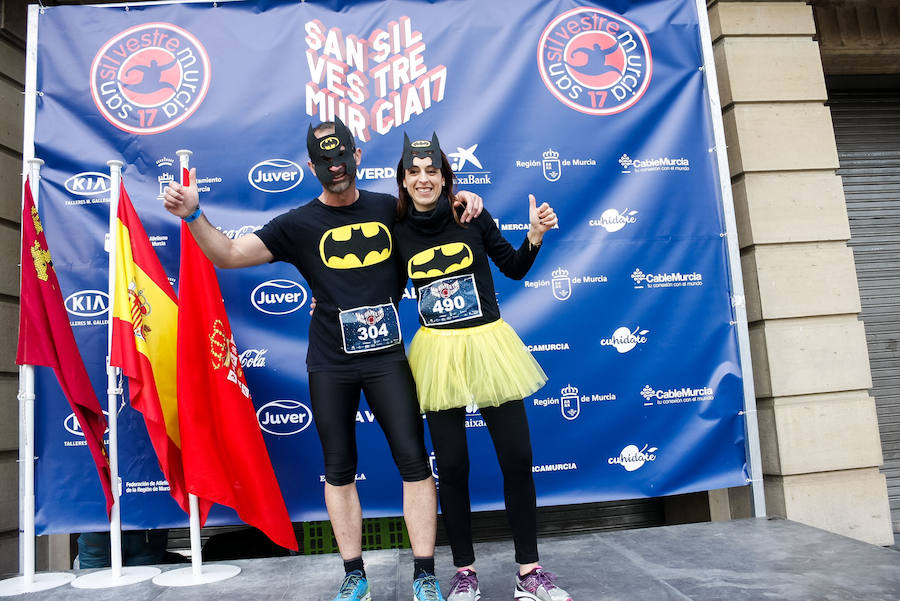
(150, 78)
(594, 61)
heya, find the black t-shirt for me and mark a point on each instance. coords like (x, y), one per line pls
(449, 268)
(346, 256)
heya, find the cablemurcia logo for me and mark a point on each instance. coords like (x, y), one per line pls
(595, 61)
(150, 78)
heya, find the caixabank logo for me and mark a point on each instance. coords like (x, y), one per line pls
(150, 78)
(595, 61)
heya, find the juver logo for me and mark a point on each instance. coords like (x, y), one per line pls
(150, 78)
(595, 61)
(284, 417)
(278, 297)
(275, 175)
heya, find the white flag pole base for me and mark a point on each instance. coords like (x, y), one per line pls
(39, 582)
(106, 579)
(212, 572)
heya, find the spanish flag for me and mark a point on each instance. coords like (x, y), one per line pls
(45, 338)
(145, 322)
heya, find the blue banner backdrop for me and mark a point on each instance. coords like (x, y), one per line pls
(599, 108)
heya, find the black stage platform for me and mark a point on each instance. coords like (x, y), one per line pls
(741, 560)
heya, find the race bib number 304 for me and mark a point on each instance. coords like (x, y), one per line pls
(449, 300)
(367, 329)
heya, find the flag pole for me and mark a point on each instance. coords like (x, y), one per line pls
(195, 574)
(116, 575)
(113, 381)
(29, 582)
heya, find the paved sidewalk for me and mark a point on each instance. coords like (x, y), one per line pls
(741, 560)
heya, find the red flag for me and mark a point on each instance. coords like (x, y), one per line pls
(145, 319)
(45, 338)
(225, 457)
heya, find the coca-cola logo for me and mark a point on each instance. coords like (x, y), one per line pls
(254, 357)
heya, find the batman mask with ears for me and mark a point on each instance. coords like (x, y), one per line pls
(334, 149)
(421, 149)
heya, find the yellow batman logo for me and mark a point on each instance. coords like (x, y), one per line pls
(440, 260)
(329, 143)
(355, 245)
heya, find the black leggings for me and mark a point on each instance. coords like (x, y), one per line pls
(508, 426)
(391, 393)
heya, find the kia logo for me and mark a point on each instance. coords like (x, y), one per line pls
(278, 297)
(275, 175)
(72, 425)
(89, 183)
(284, 417)
(87, 303)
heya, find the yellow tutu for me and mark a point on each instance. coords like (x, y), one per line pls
(482, 366)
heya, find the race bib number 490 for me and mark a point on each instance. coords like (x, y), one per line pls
(449, 300)
(370, 328)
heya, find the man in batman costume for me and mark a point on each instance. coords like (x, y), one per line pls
(341, 243)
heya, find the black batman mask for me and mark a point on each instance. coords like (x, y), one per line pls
(334, 149)
(421, 149)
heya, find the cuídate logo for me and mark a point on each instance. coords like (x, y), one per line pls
(150, 78)
(594, 61)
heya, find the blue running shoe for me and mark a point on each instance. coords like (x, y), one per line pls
(426, 588)
(355, 587)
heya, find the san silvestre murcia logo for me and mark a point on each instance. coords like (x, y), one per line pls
(595, 61)
(150, 78)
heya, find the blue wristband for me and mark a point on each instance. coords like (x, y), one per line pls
(193, 216)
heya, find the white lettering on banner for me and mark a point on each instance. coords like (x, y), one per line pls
(558, 346)
(570, 401)
(254, 357)
(554, 467)
(624, 339)
(365, 417)
(376, 173)
(562, 285)
(373, 84)
(660, 164)
(146, 486)
(631, 458)
(674, 396)
(612, 220)
(665, 280)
